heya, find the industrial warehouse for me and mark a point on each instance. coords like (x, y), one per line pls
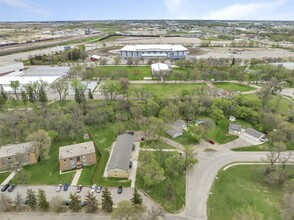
(154, 51)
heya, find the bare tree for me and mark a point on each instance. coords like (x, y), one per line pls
(155, 213)
(6, 203)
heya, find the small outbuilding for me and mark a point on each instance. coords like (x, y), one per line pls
(232, 118)
(253, 134)
(160, 70)
(234, 129)
(176, 129)
(94, 58)
(120, 157)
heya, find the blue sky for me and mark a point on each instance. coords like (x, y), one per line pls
(44, 10)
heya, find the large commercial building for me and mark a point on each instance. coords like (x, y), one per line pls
(120, 158)
(154, 51)
(77, 155)
(8, 68)
(16, 155)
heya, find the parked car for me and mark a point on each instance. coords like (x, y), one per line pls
(131, 164)
(119, 190)
(79, 189)
(4, 188)
(211, 141)
(65, 187)
(59, 187)
(131, 133)
(66, 203)
(99, 188)
(11, 187)
(93, 188)
(83, 203)
(263, 139)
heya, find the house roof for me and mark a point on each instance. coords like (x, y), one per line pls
(121, 152)
(172, 131)
(75, 150)
(14, 149)
(179, 124)
(254, 133)
(234, 127)
(95, 57)
(154, 47)
(155, 67)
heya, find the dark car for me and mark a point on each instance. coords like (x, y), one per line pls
(83, 203)
(99, 188)
(211, 141)
(79, 189)
(65, 187)
(11, 187)
(66, 203)
(131, 133)
(119, 190)
(4, 188)
(131, 164)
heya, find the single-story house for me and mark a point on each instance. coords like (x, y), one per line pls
(176, 128)
(94, 57)
(253, 134)
(234, 129)
(15, 155)
(77, 155)
(160, 70)
(118, 165)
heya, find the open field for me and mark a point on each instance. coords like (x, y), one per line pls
(240, 187)
(155, 144)
(166, 90)
(234, 87)
(173, 200)
(3, 176)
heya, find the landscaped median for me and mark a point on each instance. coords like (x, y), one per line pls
(3, 176)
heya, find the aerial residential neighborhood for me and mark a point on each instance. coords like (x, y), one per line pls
(159, 109)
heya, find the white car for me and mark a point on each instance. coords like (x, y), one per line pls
(58, 188)
(93, 188)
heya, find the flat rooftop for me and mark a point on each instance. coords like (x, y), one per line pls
(46, 71)
(154, 47)
(14, 149)
(75, 150)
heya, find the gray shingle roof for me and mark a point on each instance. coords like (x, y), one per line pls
(234, 127)
(179, 124)
(254, 133)
(121, 153)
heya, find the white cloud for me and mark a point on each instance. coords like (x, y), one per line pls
(249, 11)
(177, 8)
(26, 5)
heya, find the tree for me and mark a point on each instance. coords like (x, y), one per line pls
(125, 210)
(79, 89)
(57, 204)
(190, 158)
(6, 203)
(137, 199)
(31, 199)
(92, 202)
(24, 97)
(43, 204)
(90, 94)
(195, 133)
(75, 202)
(103, 61)
(170, 112)
(124, 85)
(110, 88)
(265, 94)
(41, 142)
(3, 97)
(175, 164)
(116, 60)
(149, 170)
(130, 61)
(18, 202)
(43, 96)
(15, 87)
(217, 115)
(107, 202)
(61, 87)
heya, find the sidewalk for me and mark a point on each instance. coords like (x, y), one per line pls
(7, 180)
(76, 178)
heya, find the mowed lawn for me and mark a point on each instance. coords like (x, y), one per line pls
(242, 186)
(3, 176)
(233, 87)
(167, 90)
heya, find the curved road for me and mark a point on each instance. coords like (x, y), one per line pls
(201, 177)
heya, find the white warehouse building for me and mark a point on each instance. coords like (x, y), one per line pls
(154, 51)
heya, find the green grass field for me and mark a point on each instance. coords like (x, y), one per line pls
(219, 133)
(166, 90)
(159, 192)
(234, 87)
(242, 186)
(3, 176)
(155, 144)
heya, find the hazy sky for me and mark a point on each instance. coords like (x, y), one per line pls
(43, 10)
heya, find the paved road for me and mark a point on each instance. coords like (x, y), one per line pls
(201, 177)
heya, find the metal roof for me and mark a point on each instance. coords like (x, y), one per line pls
(254, 133)
(121, 152)
(154, 47)
(159, 67)
(75, 150)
